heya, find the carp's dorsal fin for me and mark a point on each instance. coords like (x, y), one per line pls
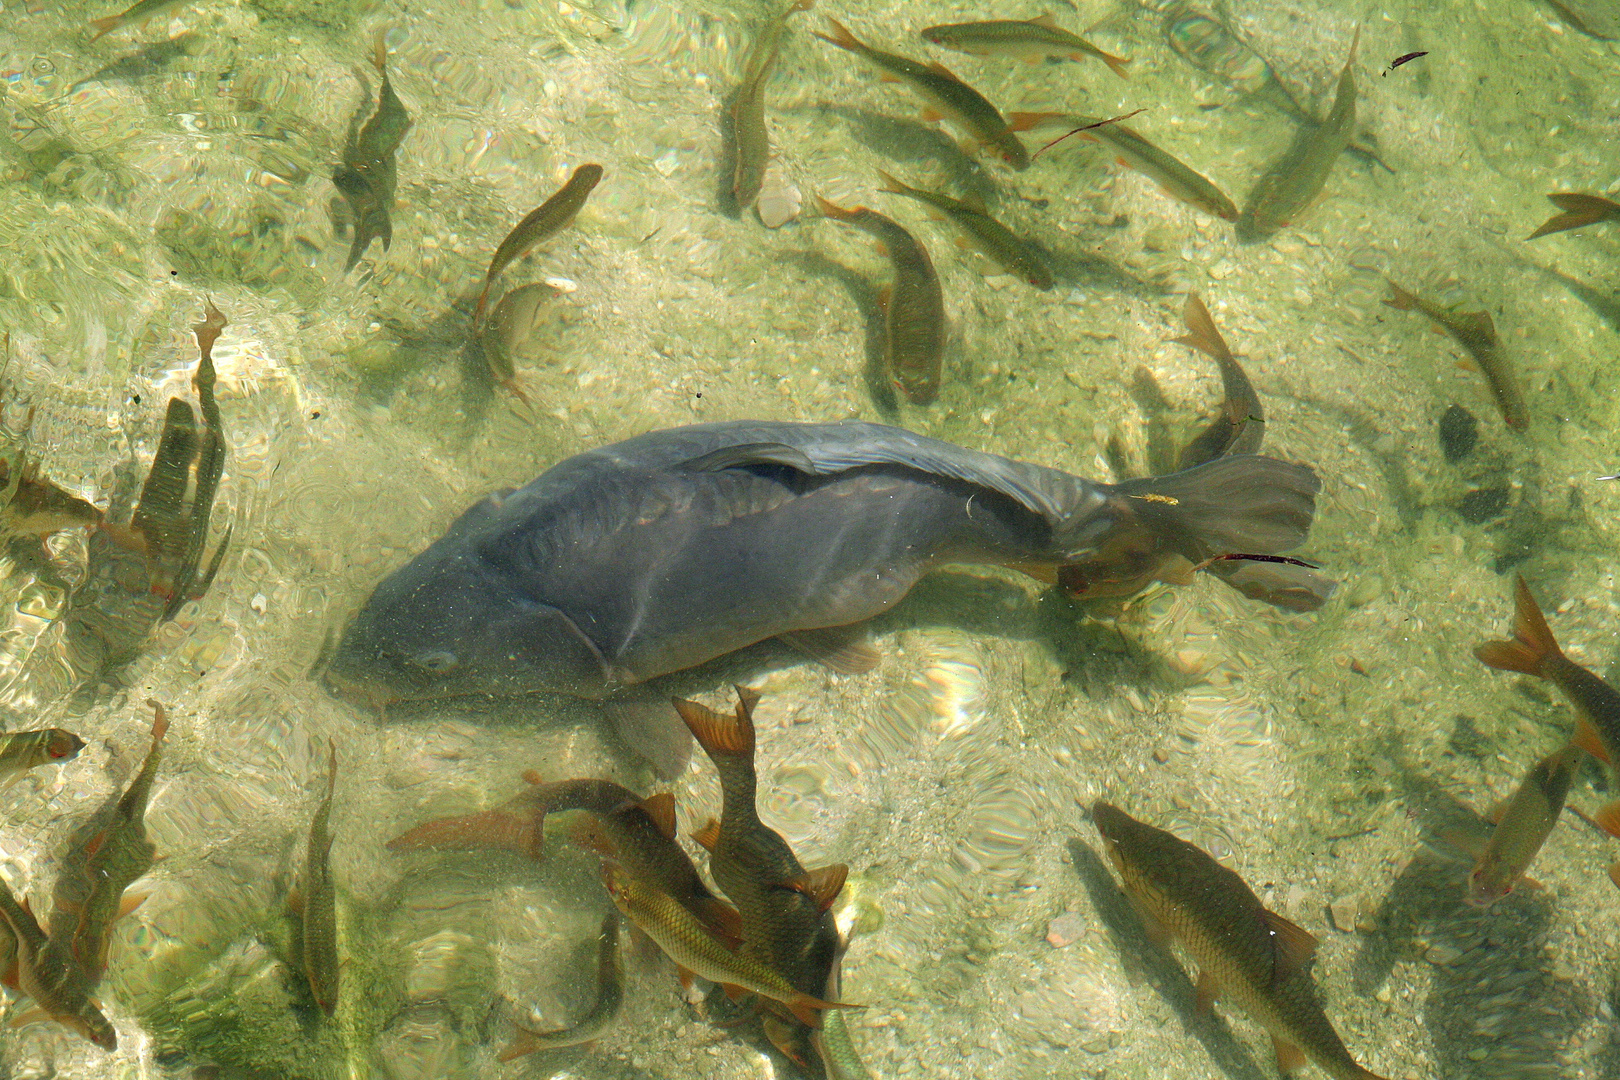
(746, 454)
(822, 885)
(708, 836)
(661, 809)
(1046, 21)
(844, 649)
(1292, 946)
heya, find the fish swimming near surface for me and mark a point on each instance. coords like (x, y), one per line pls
(1579, 210)
(369, 171)
(603, 1013)
(47, 973)
(1523, 824)
(539, 225)
(998, 243)
(752, 140)
(1175, 178)
(1294, 182)
(668, 550)
(1249, 956)
(913, 305)
(104, 856)
(1534, 651)
(947, 96)
(1475, 332)
(24, 750)
(137, 12)
(1033, 39)
(316, 905)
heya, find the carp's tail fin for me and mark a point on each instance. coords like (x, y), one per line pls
(1239, 503)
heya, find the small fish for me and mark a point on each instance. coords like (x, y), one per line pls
(949, 96)
(104, 856)
(637, 833)
(913, 306)
(317, 907)
(509, 329)
(46, 972)
(137, 12)
(1294, 182)
(1522, 826)
(694, 949)
(1404, 58)
(1134, 152)
(538, 226)
(786, 920)
(753, 142)
(999, 243)
(1034, 39)
(1534, 651)
(1475, 332)
(602, 1015)
(1579, 209)
(1239, 428)
(23, 750)
(1254, 958)
(369, 172)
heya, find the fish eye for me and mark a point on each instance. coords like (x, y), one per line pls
(436, 660)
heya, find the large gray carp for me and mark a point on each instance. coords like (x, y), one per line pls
(670, 549)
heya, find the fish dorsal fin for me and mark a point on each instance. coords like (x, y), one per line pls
(661, 809)
(1292, 946)
(844, 649)
(746, 454)
(708, 836)
(1046, 21)
(1476, 322)
(821, 885)
(940, 69)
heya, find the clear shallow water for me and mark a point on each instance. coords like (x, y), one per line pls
(949, 778)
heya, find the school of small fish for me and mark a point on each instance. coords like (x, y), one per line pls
(752, 921)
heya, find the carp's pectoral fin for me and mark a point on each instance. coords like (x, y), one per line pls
(655, 731)
(1292, 946)
(661, 809)
(1290, 1058)
(844, 649)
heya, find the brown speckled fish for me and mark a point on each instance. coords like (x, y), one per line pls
(1251, 957)
(1522, 826)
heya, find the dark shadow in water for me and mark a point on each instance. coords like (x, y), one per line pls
(1092, 271)
(1146, 961)
(1493, 988)
(874, 371)
(897, 139)
(725, 199)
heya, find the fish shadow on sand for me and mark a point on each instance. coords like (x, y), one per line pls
(895, 138)
(1493, 987)
(1145, 961)
(874, 372)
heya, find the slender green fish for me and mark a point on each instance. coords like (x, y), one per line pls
(602, 1015)
(1534, 651)
(1032, 39)
(999, 243)
(694, 949)
(47, 973)
(1294, 182)
(1475, 332)
(539, 225)
(1579, 209)
(753, 142)
(24, 750)
(949, 96)
(318, 915)
(1134, 152)
(1254, 958)
(913, 306)
(1522, 826)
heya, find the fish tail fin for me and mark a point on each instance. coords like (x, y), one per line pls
(1533, 645)
(841, 36)
(1399, 298)
(1355, 46)
(103, 27)
(1202, 333)
(526, 1042)
(1579, 209)
(890, 184)
(500, 830)
(1023, 121)
(1242, 502)
(718, 733)
(807, 1009)
(1116, 64)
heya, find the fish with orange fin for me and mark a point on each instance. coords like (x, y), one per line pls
(1032, 39)
(1251, 957)
(1475, 332)
(948, 97)
(47, 973)
(1523, 823)
(1534, 651)
(786, 921)
(1579, 210)
(638, 833)
(104, 856)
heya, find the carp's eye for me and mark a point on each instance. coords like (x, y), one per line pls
(436, 661)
